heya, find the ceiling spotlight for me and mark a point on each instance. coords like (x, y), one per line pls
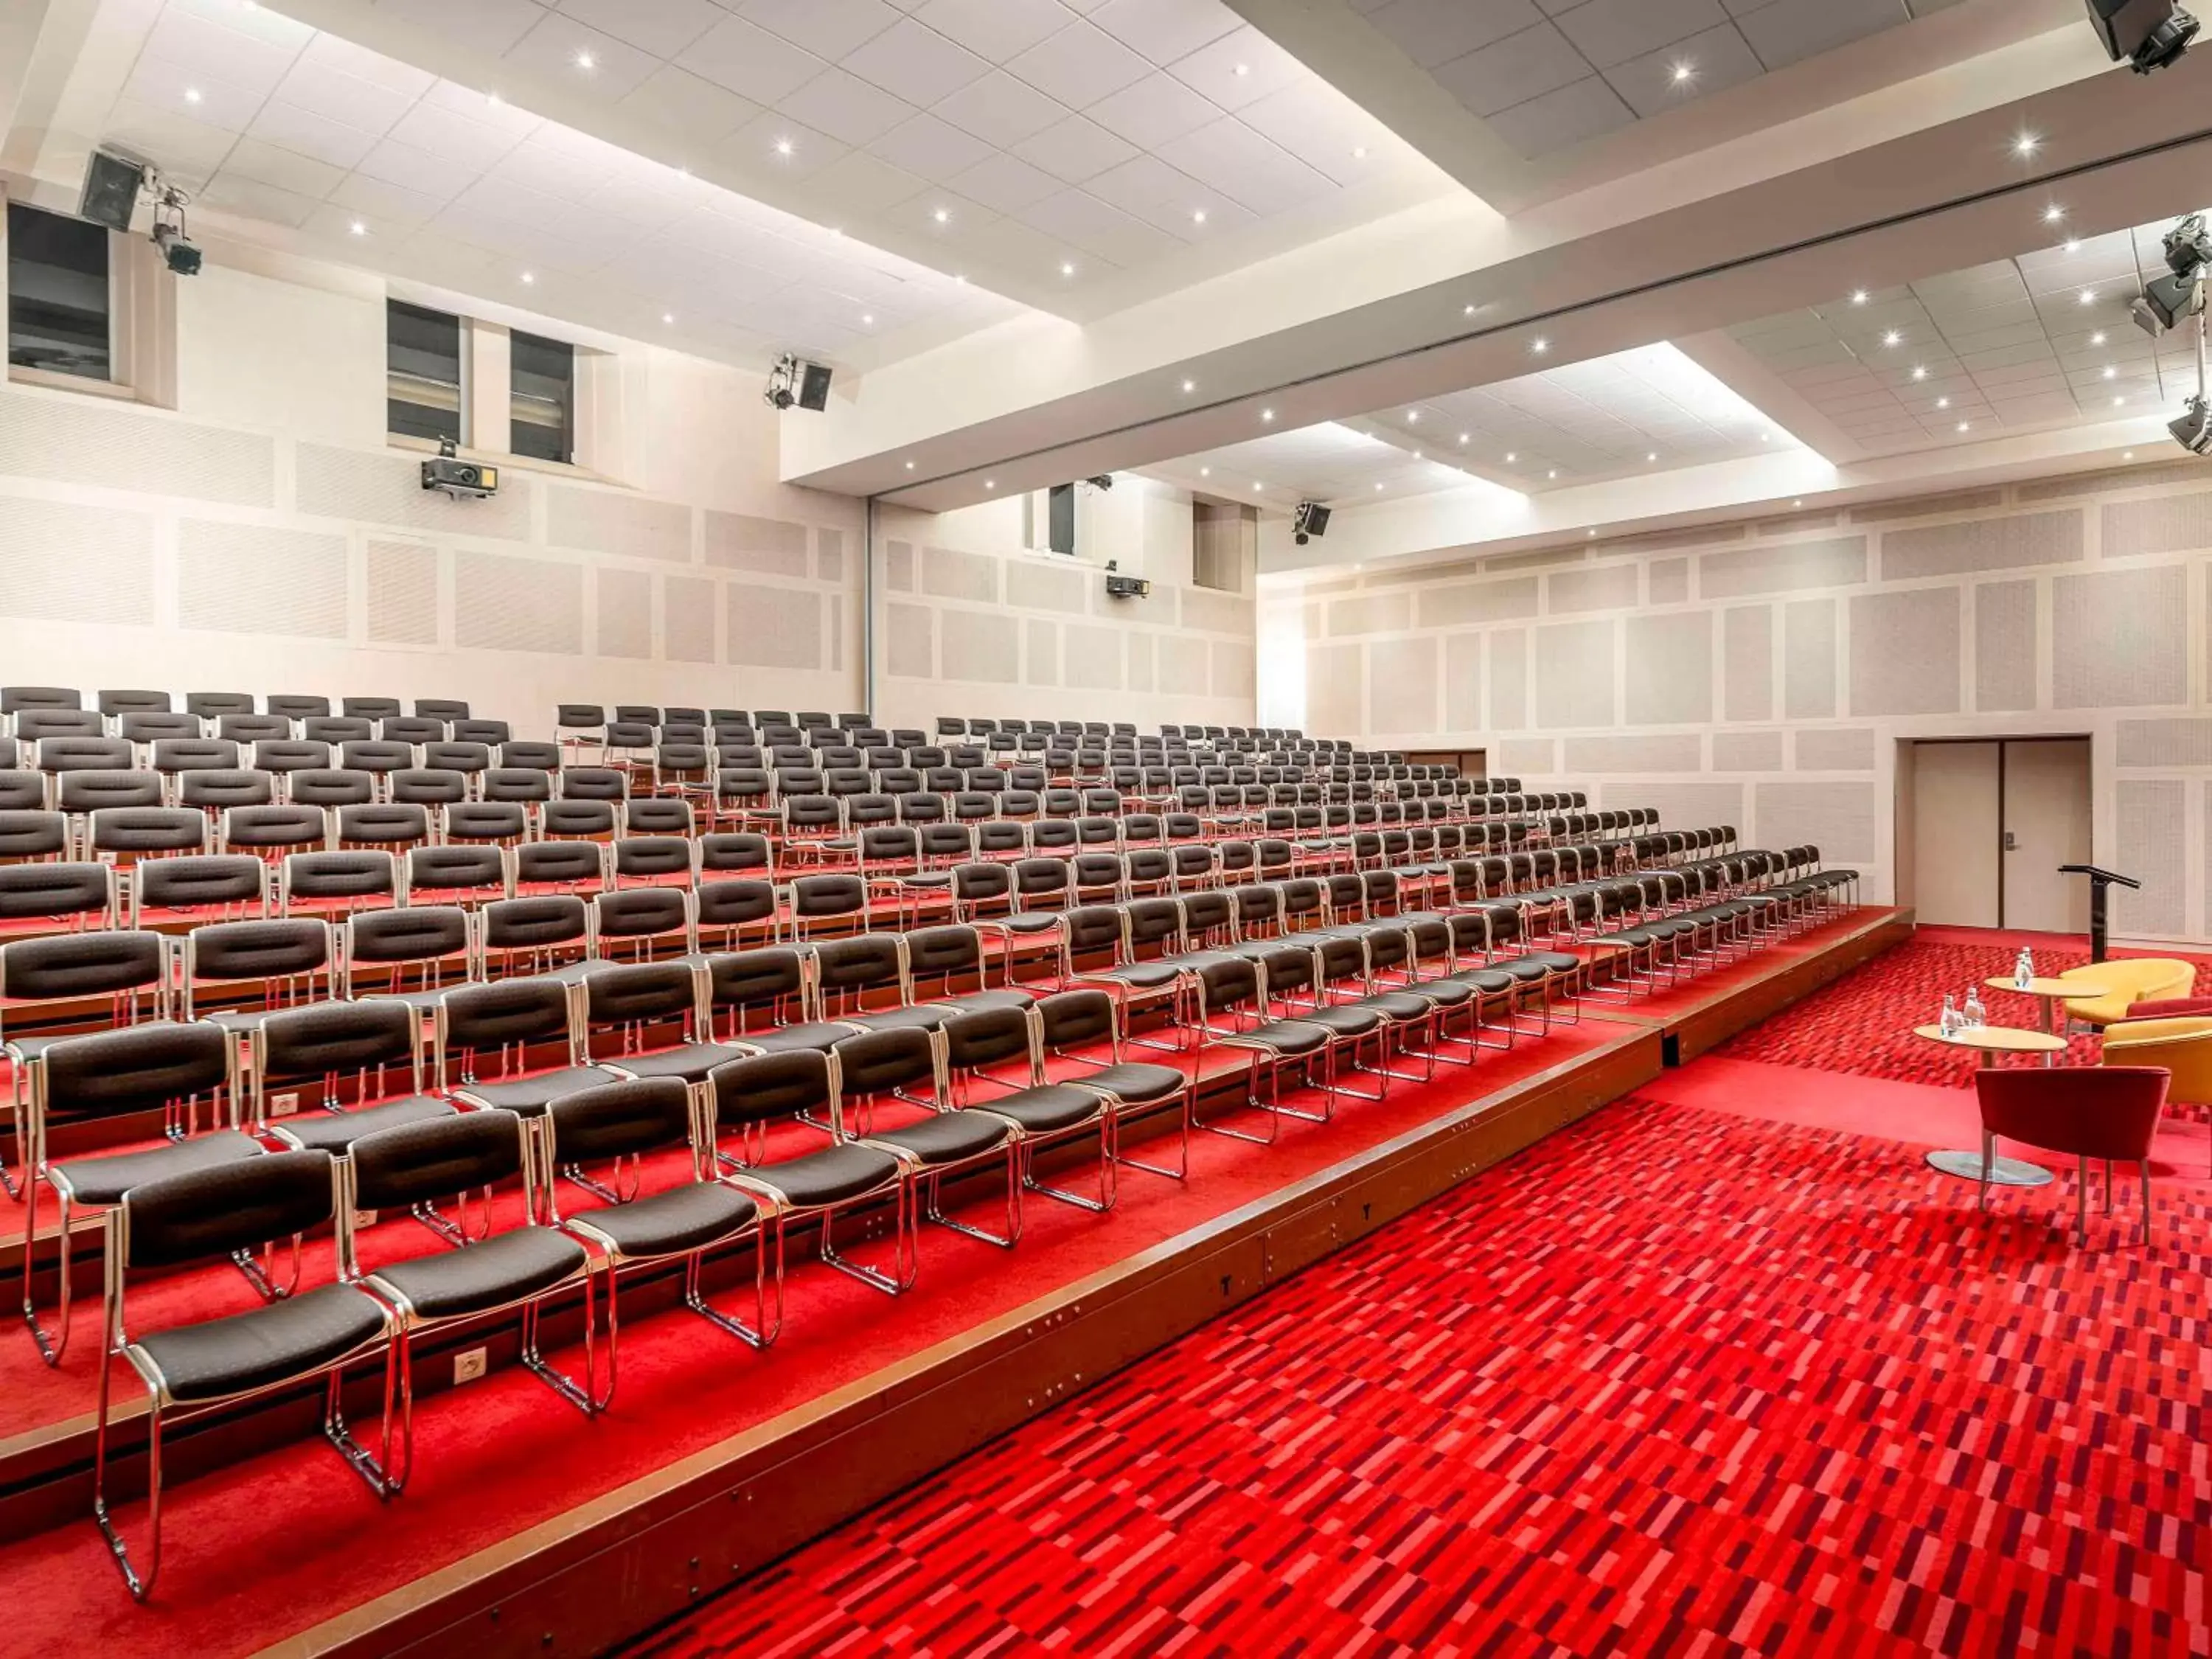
(990, 484)
(1683, 72)
(2110, 374)
(2026, 144)
(2148, 33)
(2073, 243)
(1258, 487)
(1858, 296)
(1463, 437)
(783, 147)
(1267, 415)
(1943, 403)
(2193, 430)
(191, 94)
(1510, 458)
(2088, 297)
(1892, 337)
(1359, 152)
(867, 319)
(1554, 473)
(1653, 456)
(1540, 345)
(2165, 300)
(2097, 338)
(529, 276)
(910, 467)
(585, 60)
(1067, 266)
(1378, 487)
(1206, 472)
(1190, 385)
(1198, 216)
(1800, 502)
(943, 215)
(1919, 371)
(2117, 402)
(2053, 214)
(494, 100)
(667, 316)
(1243, 69)
(1965, 426)
(1412, 414)
(358, 228)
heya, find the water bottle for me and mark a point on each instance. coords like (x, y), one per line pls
(1973, 1014)
(2023, 971)
(1949, 1022)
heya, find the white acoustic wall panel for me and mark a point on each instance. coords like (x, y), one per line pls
(61, 562)
(1833, 749)
(249, 579)
(1508, 600)
(1808, 659)
(910, 640)
(1183, 665)
(1041, 663)
(688, 604)
(1670, 581)
(1371, 613)
(1202, 607)
(501, 603)
(2149, 820)
(2109, 479)
(898, 561)
(1683, 806)
(1574, 674)
(1837, 817)
(2119, 639)
(1957, 549)
(766, 547)
(1682, 752)
(1514, 757)
(1747, 752)
(1236, 669)
(979, 646)
(63, 438)
(1604, 587)
(774, 627)
(1463, 683)
(2004, 646)
(1402, 682)
(950, 574)
(615, 521)
(1139, 650)
(1036, 586)
(373, 488)
(1904, 652)
(1094, 657)
(1789, 566)
(2163, 523)
(1670, 668)
(2164, 743)
(403, 593)
(625, 613)
(1508, 679)
(1334, 682)
(829, 553)
(1747, 662)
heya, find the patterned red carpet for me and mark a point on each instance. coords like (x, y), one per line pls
(1673, 1383)
(1863, 1023)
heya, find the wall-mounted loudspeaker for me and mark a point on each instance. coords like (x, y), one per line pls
(1311, 520)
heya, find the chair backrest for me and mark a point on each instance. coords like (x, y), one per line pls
(110, 963)
(196, 881)
(327, 1039)
(54, 889)
(436, 1157)
(135, 1069)
(624, 1118)
(411, 728)
(560, 864)
(211, 1213)
(763, 1088)
(478, 1019)
(298, 707)
(2089, 1111)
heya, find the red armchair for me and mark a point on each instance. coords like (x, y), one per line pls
(2107, 1112)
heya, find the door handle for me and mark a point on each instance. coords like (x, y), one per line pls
(2011, 842)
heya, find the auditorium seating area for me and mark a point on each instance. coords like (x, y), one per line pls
(686, 983)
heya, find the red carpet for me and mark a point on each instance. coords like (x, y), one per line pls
(1673, 1383)
(1863, 1025)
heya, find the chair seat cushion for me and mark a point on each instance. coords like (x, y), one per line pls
(504, 1268)
(335, 1132)
(946, 1137)
(1046, 1108)
(251, 1350)
(691, 1061)
(1134, 1082)
(1397, 1004)
(821, 1036)
(1441, 992)
(236, 1019)
(829, 1176)
(1285, 1038)
(1558, 961)
(103, 1181)
(529, 1096)
(423, 1000)
(1490, 981)
(1350, 1019)
(1143, 975)
(979, 1002)
(686, 1218)
(1028, 921)
(922, 1017)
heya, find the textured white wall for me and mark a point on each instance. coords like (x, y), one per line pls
(1763, 672)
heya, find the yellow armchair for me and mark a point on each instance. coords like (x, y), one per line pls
(2123, 981)
(2183, 1045)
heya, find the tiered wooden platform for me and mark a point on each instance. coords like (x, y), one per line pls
(529, 1529)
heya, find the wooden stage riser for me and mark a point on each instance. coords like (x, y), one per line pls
(732, 1520)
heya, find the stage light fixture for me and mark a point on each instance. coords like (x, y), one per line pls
(2148, 33)
(793, 382)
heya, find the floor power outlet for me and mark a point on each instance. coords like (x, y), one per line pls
(468, 1366)
(284, 1105)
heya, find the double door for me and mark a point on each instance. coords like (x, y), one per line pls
(1992, 821)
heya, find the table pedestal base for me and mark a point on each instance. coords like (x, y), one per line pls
(2003, 1171)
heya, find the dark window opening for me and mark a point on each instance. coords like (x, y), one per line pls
(543, 382)
(59, 313)
(423, 372)
(1060, 519)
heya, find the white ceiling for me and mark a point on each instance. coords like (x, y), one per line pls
(2029, 343)
(270, 122)
(1034, 145)
(1547, 75)
(1336, 464)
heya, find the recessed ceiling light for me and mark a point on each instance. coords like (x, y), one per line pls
(1463, 437)
(1554, 473)
(585, 60)
(1267, 414)
(1653, 456)
(2053, 214)
(1858, 296)
(1067, 267)
(667, 316)
(784, 147)
(1417, 454)
(2112, 374)
(1510, 458)
(1466, 311)
(1412, 414)
(1919, 371)
(1892, 337)
(1244, 69)
(191, 94)
(1378, 486)
(1943, 403)
(2127, 454)
(1965, 426)
(910, 467)
(2026, 144)
(1800, 502)
(494, 99)
(1257, 487)
(1198, 216)
(2117, 402)
(990, 484)
(1206, 472)
(1190, 385)
(1591, 532)
(2097, 338)
(529, 276)
(1359, 152)
(1683, 72)
(358, 228)
(2073, 243)
(943, 215)
(867, 319)
(1540, 345)
(2088, 296)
